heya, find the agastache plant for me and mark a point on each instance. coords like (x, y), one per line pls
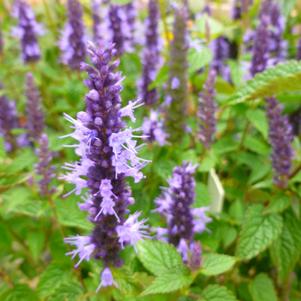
(35, 116)
(44, 168)
(175, 205)
(97, 21)
(150, 55)
(207, 110)
(72, 42)
(108, 154)
(27, 31)
(130, 21)
(1, 42)
(280, 134)
(177, 90)
(8, 122)
(153, 128)
(118, 35)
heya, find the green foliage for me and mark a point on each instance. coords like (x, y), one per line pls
(258, 232)
(262, 289)
(215, 264)
(217, 293)
(284, 77)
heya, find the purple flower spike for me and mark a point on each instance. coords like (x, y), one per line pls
(72, 42)
(8, 122)
(153, 129)
(221, 52)
(117, 28)
(1, 42)
(35, 116)
(44, 169)
(130, 22)
(177, 90)
(206, 111)
(108, 154)
(151, 55)
(27, 31)
(175, 205)
(280, 134)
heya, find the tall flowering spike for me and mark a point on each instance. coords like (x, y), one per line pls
(221, 52)
(237, 9)
(261, 42)
(72, 42)
(116, 25)
(8, 122)
(150, 55)
(27, 31)
(277, 45)
(108, 154)
(280, 134)
(44, 168)
(130, 21)
(153, 129)
(1, 42)
(175, 205)
(178, 79)
(206, 111)
(35, 116)
(97, 21)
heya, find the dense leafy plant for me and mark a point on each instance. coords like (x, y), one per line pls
(217, 210)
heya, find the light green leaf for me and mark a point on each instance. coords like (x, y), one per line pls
(197, 59)
(159, 257)
(262, 289)
(168, 282)
(216, 192)
(217, 293)
(286, 250)
(278, 204)
(20, 292)
(69, 291)
(258, 232)
(284, 77)
(215, 27)
(259, 120)
(215, 264)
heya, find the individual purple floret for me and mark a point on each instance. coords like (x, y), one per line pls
(280, 134)
(175, 205)
(8, 122)
(27, 31)
(72, 42)
(35, 116)
(177, 90)
(207, 110)
(221, 52)
(108, 154)
(153, 129)
(116, 24)
(44, 168)
(151, 55)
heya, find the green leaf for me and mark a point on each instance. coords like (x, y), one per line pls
(284, 77)
(258, 232)
(51, 279)
(215, 264)
(168, 282)
(262, 289)
(159, 257)
(278, 204)
(69, 291)
(217, 293)
(259, 120)
(286, 250)
(197, 59)
(20, 292)
(215, 27)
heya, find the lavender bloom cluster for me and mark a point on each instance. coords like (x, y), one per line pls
(35, 116)
(72, 42)
(97, 21)
(221, 52)
(207, 110)
(151, 55)
(175, 206)
(130, 21)
(8, 122)
(153, 128)
(27, 31)
(44, 168)
(108, 154)
(280, 134)
(117, 28)
(177, 90)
